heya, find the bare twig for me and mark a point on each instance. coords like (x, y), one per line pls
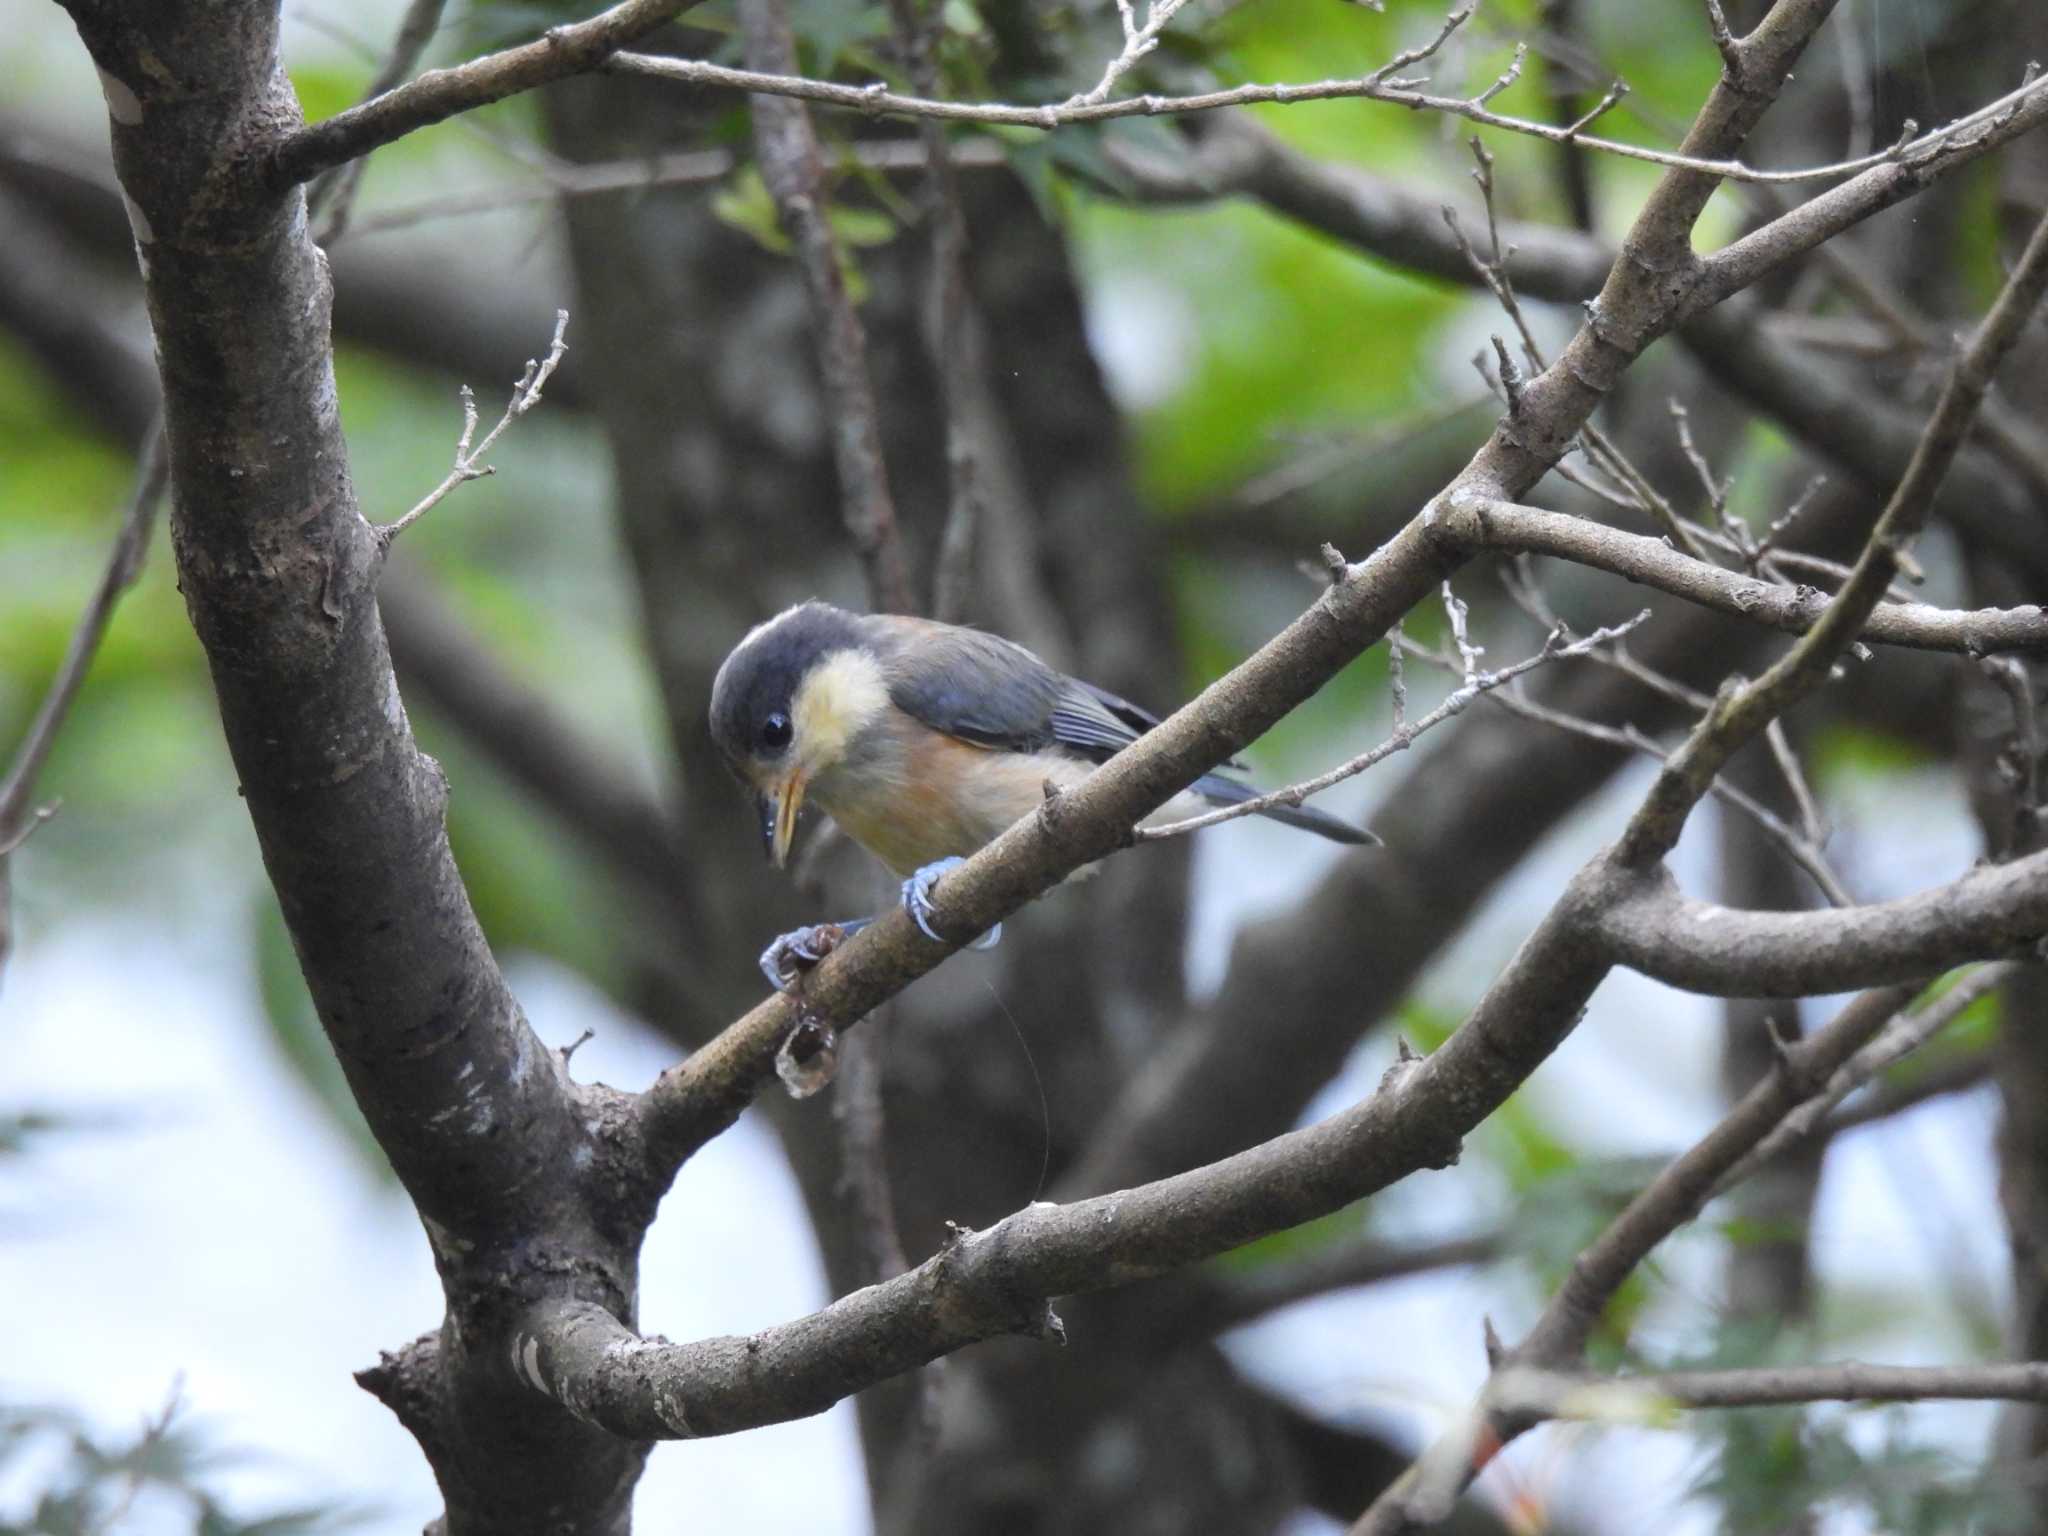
(1811, 823)
(1724, 40)
(1800, 850)
(1900, 1038)
(440, 94)
(1339, 1267)
(1651, 1398)
(878, 100)
(334, 193)
(1716, 490)
(1649, 562)
(20, 815)
(1959, 1075)
(139, 1459)
(1670, 1200)
(1558, 647)
(1139, 40)
(1744, 711)
(1397, 685)
(469, 463)
(124, 564)
(1600, 109)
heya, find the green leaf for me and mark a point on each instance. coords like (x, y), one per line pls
(861, 226)
(745, 203)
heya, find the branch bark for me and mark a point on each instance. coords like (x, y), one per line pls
(307, 150)
(279, 570)
(1654, 563)
(1990, 913)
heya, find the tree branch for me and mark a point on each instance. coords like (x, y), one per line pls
(440, 94)
(1869, 439)
(1651, 1398)
(1905, 1034)
(278, 570)
(1741, 713)
(124, 565)
(1986, 127)
(1989, 913)
(1474, 684)
(19, 814)
(334, 193)
(1653, 563)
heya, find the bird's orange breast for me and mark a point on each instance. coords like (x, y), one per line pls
(939, 797)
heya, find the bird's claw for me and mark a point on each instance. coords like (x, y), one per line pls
(785, 961)
(917, 901)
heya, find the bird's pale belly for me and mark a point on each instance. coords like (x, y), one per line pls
(948, 799)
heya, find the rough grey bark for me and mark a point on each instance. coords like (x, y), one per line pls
(279, 570)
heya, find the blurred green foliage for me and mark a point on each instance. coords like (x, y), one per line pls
(87, 1483)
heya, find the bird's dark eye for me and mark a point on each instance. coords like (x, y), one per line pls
(775, 731)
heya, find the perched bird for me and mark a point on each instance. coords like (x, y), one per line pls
(923, 741)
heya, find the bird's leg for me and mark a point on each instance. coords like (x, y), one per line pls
(784, 961)
(917, 901)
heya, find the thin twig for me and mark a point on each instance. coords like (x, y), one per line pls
(1811, 823)
(440, 94)
(1650, 1399)
(335, 192)
(19, 815)
(1558, 647)
(469, 463)
(1797, 848)
(1742, 712)
(1905, 1034)
(1138, 41)
(1716, 490)
(1678, 1193)
(1724, 40)
(878, 100)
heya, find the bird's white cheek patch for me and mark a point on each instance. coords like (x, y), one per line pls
(842, 696)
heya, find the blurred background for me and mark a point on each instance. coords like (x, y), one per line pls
(1180, 397)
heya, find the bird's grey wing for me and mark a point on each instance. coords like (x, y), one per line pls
(1128, 721)
(976, 687)
(991, 692)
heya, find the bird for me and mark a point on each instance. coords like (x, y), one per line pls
(923, 741)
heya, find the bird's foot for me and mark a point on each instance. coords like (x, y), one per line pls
(917, 901)
(785, 961)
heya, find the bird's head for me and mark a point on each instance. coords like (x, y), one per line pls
(794, 697)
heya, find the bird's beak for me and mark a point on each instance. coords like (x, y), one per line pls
(779, 804)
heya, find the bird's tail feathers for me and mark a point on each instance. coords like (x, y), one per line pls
(1218, 790)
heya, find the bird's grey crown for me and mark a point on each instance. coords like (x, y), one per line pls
(761, 676)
